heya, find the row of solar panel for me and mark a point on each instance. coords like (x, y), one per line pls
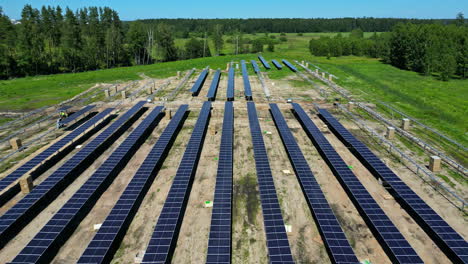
(29, 206)
(231, 84)
(77, 114)
(450, 242)
(7, 190)
(197, 86)
(164, 237)
(57, 230)
(214, 86)
(219, 243)
(279, 250)
(390, 238)
(245, 76)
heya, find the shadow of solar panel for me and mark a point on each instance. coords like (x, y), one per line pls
(391, 240)
(28, 207)
(106, 241)
(245, 76)
(196, 88)
(289, 65)
(264, 62)
(77, 114)
(163, 241)
(219, 243)
(255, 66)
(65, 221)
(450, 242)
(231, 84)
(40, 158)
(277, 64)
(335, 241)
(277, 240)
(214, 86)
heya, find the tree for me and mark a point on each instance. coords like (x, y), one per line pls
(71, 41)
(7, 42)
(194, 49)
(165, 42)
(30, 42)
(257, 46)
(136, 39)
(460, 20)
(217, 37)
(271, 46)
(357, 33)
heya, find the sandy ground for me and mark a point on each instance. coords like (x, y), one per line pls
(249, 241)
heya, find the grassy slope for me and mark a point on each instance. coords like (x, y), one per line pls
(439, 104)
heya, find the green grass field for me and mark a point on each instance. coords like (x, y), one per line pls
(442, 105)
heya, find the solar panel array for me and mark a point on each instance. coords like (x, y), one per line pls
(289, 65)
(255, 66)
(279, 250)
(214, 86)
(264, 62)
(164, 238)
(245, 76)
(219, 244)
(77, 114)
(196, 88)
(391, 240)
(231, 84)
(106, 241)
(22, 212)
(57, 230)
(277, 64)
(335, 241)
(50, 151)
(453, 245)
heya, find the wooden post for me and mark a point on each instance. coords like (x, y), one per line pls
(323, 75)
(178, 74)
(15, 143)
(390, 133)
(116, 88)
(107, 93)
(405, 124)
(150, 90)
(434, 164)
(124, 95)
(351, 106)
(330, 78)
(26, 184)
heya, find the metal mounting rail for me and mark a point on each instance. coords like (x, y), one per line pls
(460, 168)
(323, 93)
(264, 86)
(460, 146)
(419, 170)
(182, 83)
(23, 117)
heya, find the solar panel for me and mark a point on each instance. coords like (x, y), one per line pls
(214, 86)
(219, 243)
(255, 66)
(279, 250)
(77, 114)
(231, 84)
(391, 240)
(163, 241)
(450, 242)
(335, 241)
(106, 241)
(264, 62)
(277, 64)
(43, 247)
(289, 65)
(245, 76)
(196, 88)
(39, 159)
(21, 213)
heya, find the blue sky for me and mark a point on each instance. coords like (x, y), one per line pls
(138, 9)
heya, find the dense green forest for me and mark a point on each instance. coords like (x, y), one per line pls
(52, 40)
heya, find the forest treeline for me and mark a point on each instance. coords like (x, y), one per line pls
(424, 48)
(53, 40)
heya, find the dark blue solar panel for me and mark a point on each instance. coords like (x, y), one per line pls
(51, 237)
(264, 62)
(196, 88)
(245, 76)
(279, 250)
(231, 84)
(106, 241)
(214, 86)
(335, 241)
(22, 212)
(50, 151)
(277, 64)
(289, 65)
(164, 238)
(453, 245)
(391, 240)
(255, 66)
(77, 114)
(219, 244)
